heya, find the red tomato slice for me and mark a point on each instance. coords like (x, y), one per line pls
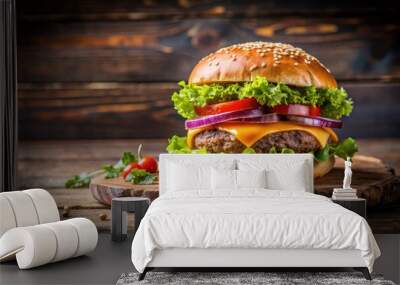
(129, 168)
(315, 111)
(149, 164)
(230, 106)
(297, 109)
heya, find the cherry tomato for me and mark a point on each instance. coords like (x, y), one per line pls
(297, 109)
(129, 168)
(149, 163)
(230, 106)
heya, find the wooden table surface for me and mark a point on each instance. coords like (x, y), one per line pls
(46, 164)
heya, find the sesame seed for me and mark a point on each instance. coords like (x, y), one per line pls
(278, 50)
(253, 67)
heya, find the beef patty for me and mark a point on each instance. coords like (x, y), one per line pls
(215, 141)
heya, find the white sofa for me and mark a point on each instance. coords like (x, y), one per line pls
(31, 231)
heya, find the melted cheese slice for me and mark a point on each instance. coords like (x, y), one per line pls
(250, 133)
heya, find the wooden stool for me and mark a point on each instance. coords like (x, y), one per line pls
(120, 207)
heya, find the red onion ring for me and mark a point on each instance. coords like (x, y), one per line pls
(315, 121)
(265, 118)
(223, 117)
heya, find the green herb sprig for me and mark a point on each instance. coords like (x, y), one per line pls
(140, 176)
(111, 171)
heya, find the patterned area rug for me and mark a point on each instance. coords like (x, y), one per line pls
(269, 278)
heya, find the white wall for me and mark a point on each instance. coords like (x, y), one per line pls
(389, 262)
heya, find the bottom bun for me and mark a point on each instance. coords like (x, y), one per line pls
(323, 167)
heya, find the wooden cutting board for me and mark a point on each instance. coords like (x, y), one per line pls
(371, 177)
(103, 190)
(373, 180)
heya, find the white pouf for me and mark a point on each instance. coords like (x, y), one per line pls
(32, 246)
(7, 218)
(87, 234)
(26, 208)
(23, 209)
(66, 237)
(31, 232)
(46, 208)
(41, 244)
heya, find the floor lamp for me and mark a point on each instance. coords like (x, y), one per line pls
(8, 96)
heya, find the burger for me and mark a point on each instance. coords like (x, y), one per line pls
(263, 97)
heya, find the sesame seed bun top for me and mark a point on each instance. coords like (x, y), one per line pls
(275, 61)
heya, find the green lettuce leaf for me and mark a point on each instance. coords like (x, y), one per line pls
(323, 154)
(287, 150)
(178, 144)
(283, 150)
(249, 150)
(344, 149)
(334, 102)
(273, 150)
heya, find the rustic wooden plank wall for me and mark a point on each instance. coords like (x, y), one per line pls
(106, 69)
